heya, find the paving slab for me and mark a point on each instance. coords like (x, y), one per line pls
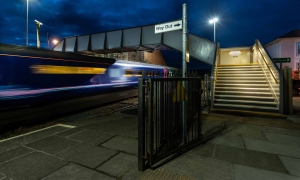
(249, 173)
(32, 166)
(119, 164)
(2, 176)
(124, 144)
(214, 117)
(232, 141)
(70, 132)
(92, 120)
(203, 150)
(18, 141)
(285, 139)
(133, 174)
(277, 130)
(294, 118)
(271, 147)
(40, 134)
(212, 122)
(14, 153)
(132, 133)
(245, 130)
(52, 144)
(250, 158)
(8, 145)
(117, 126)
(76, 172)
(91, 137)
(87, 155)
(291, 164)
(200, 168)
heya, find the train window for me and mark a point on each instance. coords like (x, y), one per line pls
(139, 73)
(114, 73)
(128, 72)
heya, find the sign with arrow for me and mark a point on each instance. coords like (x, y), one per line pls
(170, 26)
(281, 60)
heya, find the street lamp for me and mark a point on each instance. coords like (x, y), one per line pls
(38, 40)
(27, 26)
(214, 20)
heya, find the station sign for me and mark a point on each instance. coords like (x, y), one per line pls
(281, 60)
(170, 26)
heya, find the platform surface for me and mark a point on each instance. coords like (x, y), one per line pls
(107, 148)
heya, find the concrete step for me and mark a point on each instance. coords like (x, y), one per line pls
(240, 69)
(232, 81)
(239, 72)
(245, 97)
(248, 107)
(220, 92)
(240, 77)
(237, 67)
(246, 102)
(242, 88)
(239, 84)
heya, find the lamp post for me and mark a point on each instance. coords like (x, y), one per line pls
(27, 26)
(214, 20)
(38, 40)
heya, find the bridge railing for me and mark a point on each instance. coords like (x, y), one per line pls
(271, 72)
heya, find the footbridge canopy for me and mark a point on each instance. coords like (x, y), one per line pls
(138, 39)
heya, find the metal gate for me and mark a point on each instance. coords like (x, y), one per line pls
(169, 118)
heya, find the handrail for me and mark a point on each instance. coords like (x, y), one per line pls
(258, 46)
(213, 73)
(268, 66)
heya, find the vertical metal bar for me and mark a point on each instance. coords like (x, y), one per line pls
(157, 113)
(199, 117)
(290, 91)
(161, 109)
(141, 125)
(150, 122)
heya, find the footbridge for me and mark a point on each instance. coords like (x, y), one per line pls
(138, 39)
(242, 78)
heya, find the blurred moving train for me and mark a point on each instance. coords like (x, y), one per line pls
(39, 83)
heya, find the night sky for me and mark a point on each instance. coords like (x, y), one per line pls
(240, 21)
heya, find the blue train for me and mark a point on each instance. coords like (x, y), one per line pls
(53, 83)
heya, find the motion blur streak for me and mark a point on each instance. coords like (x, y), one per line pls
(50, 69)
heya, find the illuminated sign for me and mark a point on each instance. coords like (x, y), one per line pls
(170, 26)
(235, 53)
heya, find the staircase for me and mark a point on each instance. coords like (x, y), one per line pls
(243, 87)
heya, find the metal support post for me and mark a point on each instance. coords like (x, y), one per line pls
(184, 31)
(141, 125)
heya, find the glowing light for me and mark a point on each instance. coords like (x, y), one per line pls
(213, 20)
(55, 41)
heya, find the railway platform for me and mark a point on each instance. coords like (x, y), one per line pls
(88, 147)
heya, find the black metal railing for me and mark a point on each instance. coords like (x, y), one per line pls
(169, 118)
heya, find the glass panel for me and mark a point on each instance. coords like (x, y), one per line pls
(298, 53)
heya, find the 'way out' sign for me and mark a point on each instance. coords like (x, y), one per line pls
(170, 26)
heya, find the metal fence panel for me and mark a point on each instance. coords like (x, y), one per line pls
(169, 117)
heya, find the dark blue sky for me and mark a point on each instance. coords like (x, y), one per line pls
(240, 21)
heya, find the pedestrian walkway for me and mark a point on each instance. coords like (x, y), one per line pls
(106, 148)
